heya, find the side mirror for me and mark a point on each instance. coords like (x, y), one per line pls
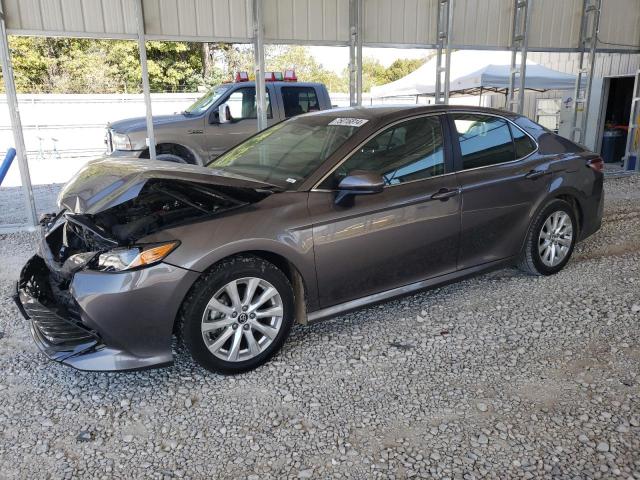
(224, 114)
(359, 182)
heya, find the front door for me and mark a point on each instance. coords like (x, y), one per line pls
(502, 181)
(399, 236)
(220, 137)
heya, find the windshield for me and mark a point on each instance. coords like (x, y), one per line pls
(287, 153)
(203, 103)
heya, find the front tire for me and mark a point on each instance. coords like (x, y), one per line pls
(238, 315)
(550, 240)
(170, 157)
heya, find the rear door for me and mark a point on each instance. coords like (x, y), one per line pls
(393, 238)
(502, 180)
(220, 137)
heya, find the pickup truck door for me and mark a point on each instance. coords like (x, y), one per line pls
(220, 137)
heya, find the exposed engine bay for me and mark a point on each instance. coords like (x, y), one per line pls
(75, 239)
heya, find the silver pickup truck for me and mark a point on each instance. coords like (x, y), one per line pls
(219, 120)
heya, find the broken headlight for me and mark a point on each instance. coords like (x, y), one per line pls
(137, 256)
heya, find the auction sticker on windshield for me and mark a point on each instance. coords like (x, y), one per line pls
(348, 122)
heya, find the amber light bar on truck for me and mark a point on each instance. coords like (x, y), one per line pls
(287, 76)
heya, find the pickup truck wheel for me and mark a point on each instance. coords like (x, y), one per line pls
(238, 315)
(170, 157)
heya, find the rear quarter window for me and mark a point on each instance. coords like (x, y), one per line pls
(522, 142)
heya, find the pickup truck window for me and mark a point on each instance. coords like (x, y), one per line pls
(242, 104)
(299, 100)
(203, 103)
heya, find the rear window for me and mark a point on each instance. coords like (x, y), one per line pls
(299, 100)
(484, 140)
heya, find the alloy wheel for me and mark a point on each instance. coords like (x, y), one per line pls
(242, 319)
(555, 239)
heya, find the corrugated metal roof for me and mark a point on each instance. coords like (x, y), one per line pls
(620, 23)
(402, 22)
(306, 21)
(102, 18)
(555, 24)
(487, 23)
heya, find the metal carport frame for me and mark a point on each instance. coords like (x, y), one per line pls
(349, 23)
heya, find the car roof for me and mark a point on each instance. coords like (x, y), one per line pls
(383, 113)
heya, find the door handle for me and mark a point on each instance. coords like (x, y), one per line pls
(533, 174)
(445, 194)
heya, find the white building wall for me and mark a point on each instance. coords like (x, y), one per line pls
(607, 65)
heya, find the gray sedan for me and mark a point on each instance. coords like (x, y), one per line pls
(316, 216)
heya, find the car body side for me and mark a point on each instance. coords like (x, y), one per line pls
(304, 232)
(260, 229)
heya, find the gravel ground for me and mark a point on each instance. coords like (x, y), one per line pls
(12, 202)
(499, 376)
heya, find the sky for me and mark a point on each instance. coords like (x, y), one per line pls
(337, 58)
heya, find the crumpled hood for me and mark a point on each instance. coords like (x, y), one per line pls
(104, 183)
(136, 124)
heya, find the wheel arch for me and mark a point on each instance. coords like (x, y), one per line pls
(573, 199)
(569, 195)
(293, 273)
(176, 149)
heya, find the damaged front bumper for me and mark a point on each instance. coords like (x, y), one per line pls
(103, 321)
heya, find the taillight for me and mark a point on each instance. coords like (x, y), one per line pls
(596, 164)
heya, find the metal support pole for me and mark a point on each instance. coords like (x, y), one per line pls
(353, 33)
(142, 51)
(16, 124)
(632, 148)
(445, 24)
(519, 43)
(359, 16)
(258, 51)
(588, 39)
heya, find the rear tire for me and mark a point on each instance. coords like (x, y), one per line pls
(550, 240)
(226, 323)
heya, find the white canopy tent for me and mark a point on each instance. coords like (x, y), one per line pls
(474, 72)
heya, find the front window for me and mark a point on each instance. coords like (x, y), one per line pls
(203, 103)
(286, 154)
(242, 104)
(405, 152)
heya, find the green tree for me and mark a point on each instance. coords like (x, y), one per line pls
(71, 65)
(308, 69)
(59, 65)
(373, 73)
(401, 68)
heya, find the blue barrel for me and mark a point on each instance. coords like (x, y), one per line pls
(6, 164)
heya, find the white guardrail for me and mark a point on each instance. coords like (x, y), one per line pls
(62, 132)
